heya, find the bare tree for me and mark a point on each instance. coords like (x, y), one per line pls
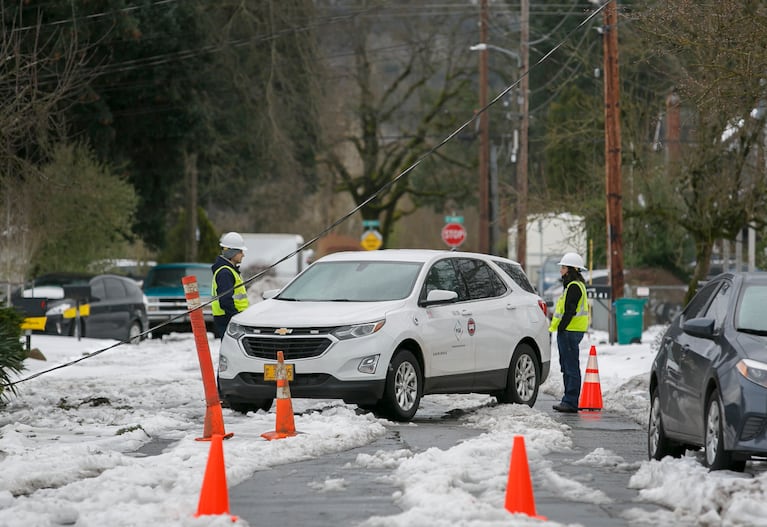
(407, 85)
(715, 59)
(38, 77)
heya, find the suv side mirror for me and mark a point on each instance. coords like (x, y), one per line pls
(699, 327)
(439, 296)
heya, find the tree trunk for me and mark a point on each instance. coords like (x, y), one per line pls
(190, 169)
(703, 250)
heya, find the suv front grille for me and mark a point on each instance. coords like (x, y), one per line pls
(292, 348)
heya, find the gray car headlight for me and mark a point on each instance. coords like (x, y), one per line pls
(754, 371)
(358, 330)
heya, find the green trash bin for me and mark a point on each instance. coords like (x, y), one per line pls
(629, 319)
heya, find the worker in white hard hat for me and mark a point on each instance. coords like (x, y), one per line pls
(570, 321)
(228, 288)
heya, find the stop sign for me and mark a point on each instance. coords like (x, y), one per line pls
(453, 234)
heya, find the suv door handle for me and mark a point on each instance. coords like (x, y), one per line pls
(465, 312)
(510, 306)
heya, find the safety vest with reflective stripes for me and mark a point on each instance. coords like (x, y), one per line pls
(239, 294)
(580, 321)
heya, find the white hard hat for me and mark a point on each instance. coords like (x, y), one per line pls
(232, 240)
(573, 260)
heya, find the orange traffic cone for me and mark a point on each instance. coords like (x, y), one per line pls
(214, 496)
(519, 489)
(591, 393)
(285, 426)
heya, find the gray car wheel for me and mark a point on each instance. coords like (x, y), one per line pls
(658, 445)
(715, 455)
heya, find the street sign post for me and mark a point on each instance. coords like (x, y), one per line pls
(453, 234)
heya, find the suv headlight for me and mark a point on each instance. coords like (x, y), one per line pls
(358, 330)
(235, 330)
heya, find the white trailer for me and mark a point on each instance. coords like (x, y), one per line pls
(264, 250)
(549, 236)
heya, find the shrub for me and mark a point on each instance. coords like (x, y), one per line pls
(12, 352)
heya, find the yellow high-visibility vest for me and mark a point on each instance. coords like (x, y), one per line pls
(580, 321)
(239, 295)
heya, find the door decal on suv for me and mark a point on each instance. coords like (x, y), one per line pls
(458, 330)
(471, 326)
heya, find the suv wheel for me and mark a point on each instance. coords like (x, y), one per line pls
(715, 456)
(658, 445)
(403, 390)
(523, 378)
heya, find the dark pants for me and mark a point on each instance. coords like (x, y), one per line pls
(567, 342)
(219, 325)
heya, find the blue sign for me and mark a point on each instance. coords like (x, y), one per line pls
(453, 219)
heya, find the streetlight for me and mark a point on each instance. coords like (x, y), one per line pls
(483, 46)
(522, 165)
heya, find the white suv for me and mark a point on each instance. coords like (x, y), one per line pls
(382, 328)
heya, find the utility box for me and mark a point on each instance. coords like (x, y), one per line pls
(629, 319)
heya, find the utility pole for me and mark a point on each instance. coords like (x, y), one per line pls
(484, 138)
(524, 52)
(613, 150)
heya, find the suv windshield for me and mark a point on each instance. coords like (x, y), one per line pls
(750, 316)
(358, 281)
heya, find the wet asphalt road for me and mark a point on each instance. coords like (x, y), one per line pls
(277, 493)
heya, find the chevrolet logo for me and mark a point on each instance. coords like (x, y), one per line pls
(283, 331)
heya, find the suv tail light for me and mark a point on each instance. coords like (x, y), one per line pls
(543, 306)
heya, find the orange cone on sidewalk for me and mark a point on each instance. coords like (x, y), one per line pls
(285, 426)
(519, 489)
(214, 496)
(591, 392)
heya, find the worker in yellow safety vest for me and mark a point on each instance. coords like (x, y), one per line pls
(228, 286)
(570, 321)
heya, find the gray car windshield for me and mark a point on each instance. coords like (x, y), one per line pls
(750, 315)
(353, 282)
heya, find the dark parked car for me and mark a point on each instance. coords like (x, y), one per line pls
(708, 383)
(33, 298)
(116, 306)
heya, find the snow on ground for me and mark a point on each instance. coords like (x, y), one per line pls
(70, 445)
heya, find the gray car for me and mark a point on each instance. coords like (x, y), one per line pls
(708, 383)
